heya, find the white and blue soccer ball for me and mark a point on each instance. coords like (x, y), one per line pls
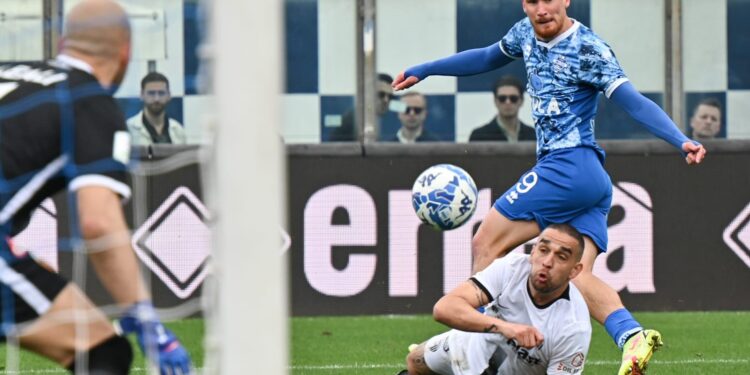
(444, 196)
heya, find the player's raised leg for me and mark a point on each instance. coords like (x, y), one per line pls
(497, 236)
(605, 305)
(601, 299)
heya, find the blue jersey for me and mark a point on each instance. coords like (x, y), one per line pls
(565, 76)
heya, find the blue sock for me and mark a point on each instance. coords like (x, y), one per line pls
(621, 325)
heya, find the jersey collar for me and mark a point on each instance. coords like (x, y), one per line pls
(560, 37)
(74, 63)
(564, 295)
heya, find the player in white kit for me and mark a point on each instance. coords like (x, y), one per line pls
(537, 321)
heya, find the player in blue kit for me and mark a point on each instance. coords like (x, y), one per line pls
(567, 65)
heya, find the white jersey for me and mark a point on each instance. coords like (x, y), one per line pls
(565, 324)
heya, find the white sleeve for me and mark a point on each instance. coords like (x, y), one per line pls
(569, 354)
(499, 273)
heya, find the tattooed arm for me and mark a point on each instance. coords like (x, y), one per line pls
(457, 309)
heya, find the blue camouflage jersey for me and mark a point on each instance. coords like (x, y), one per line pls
(565, 76)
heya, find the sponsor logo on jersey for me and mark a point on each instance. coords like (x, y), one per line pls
(524, 354)
(577, 360)
(559, 64)
(575, 365)
(567, 368)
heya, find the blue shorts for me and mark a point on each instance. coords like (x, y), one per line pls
(565, 186)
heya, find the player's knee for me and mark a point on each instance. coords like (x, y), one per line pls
(111, 357)
(415, 362)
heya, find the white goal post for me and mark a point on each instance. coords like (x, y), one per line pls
(248, 329)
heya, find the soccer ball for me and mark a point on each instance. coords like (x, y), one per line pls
(444, 196)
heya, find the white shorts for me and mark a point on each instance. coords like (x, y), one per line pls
(452, 353)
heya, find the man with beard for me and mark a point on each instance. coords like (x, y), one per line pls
(152, 125)
(536, 321)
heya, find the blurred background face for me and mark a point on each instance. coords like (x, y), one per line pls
(508, 100)
(155, 96)
(546, 16)
(706, 122)
(416, 112)
(384, 96)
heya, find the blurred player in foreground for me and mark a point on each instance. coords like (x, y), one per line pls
(536, 321)
(567, 65)
(61, 129)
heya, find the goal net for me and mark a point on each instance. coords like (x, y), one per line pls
(205, 217)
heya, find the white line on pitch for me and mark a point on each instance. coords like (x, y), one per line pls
(141, 370)
(588, 363)
(677, 362)
(347, 367)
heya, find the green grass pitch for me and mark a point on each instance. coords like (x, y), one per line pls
(190, 332)
(695, 343)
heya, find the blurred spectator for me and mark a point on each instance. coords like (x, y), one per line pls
(412, 120)
(347, 131)
(506, 126)
(152, 125)
(706, 120)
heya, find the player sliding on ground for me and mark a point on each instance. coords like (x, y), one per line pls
(536, 321)
(567, 65)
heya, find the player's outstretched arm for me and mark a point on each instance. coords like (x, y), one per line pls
(104, 228)
(469, 62)
(653, 118)
(458, 309)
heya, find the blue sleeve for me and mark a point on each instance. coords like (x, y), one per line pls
(469, 62)
(650, 115)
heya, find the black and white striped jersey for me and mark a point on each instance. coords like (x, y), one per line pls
(59, 128)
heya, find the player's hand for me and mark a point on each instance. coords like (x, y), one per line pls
(157, 342)
(525, 336)
(695, 152)
(400, 83)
